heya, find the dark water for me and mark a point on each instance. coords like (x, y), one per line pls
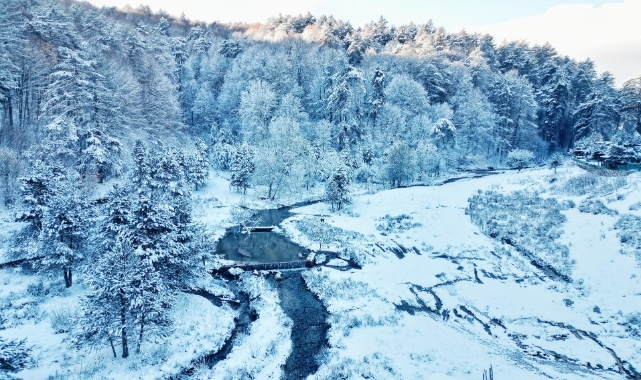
(261, 247)
(309, 331)
(309, 316)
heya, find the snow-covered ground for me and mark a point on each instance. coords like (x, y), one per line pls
(434, 298)
(462, 301)
(200, 328)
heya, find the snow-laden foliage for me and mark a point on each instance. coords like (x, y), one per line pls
(520, 158)
(526, 221)
(375, 366)
(145, 249)
(318, 231)
(592, 184)
(629, 233)
(14, 355)
(395, 224)
(596, 207)
(337, 189)
(77, 82)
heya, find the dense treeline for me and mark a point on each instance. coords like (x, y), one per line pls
(295, 103)
(297, 95)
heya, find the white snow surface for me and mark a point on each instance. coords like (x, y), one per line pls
(456, 302)
(200, 328)
(262, 352)
(524, 324)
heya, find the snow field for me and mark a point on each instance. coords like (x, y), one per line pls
(523, 323)
(199, 328)
(264, 349)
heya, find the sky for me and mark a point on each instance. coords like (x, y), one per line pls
(604, 30)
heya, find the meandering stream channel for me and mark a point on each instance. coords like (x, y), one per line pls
(309, 316)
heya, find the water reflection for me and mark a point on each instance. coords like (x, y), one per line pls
(261, 247)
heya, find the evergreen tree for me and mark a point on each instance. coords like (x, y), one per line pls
(337, 189)
(55, 206)
(14, 355)
(242, 167)
(195, 164)
(65, 228)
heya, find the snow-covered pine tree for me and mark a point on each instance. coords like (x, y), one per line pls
(242, 167)
(223, 150)
(377, 96)
(106, 310)
(194, 163)
(150, 300)
(337, 189)
(65, 227)
(14, 355)
(56, 209)
(35, 193)
(200, 172)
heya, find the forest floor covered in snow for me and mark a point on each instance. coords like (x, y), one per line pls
(547, 287)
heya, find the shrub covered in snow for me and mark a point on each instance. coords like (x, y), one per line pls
(375, 366)
(635, 207)
(525, 221)
(14, 355)
(520, 158)
(596, 207)
(395, 224)
(592, 184)
(62, 318)
(323, 233)
(629, 227)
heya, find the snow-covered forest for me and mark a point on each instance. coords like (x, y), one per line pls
(131, 141)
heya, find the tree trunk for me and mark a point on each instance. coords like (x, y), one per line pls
(67, 275)
(113, 349)
(123, 322)
(142, 330)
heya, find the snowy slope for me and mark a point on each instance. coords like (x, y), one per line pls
(467, 301)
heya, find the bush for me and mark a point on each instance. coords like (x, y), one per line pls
(520, 158)
(527, 222)
(37, 289)
(14, 355)
(596, 207)
(592, 184)
(629, 234)
(395, 224)
(635, 207)
(62, 318)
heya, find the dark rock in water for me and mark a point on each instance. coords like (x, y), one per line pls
(244, 252)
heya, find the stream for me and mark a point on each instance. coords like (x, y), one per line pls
(261, 247)
(309, 316)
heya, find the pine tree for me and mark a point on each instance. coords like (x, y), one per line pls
(242, 167)
(377, 96)
(14, 355)
(337, 189)
(56, 208)
(195, 164)
(65, 227)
